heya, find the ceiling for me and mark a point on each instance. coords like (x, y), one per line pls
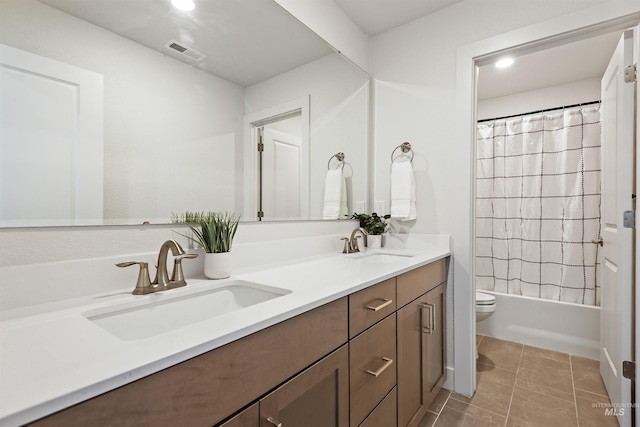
(551, 67)
(245, 41)
(377, 16)
(253, 40)
(567, 63)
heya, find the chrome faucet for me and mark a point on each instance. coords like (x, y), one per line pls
(162, 281)
(351, 244)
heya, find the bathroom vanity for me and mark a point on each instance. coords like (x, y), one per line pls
(364, 346)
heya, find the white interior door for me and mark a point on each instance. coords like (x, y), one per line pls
(617, 262)
(37, 148)
(54, 110)
(281, 175)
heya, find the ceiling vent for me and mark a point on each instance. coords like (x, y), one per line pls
(179, 48)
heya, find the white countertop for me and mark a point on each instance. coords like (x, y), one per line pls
(53, 357)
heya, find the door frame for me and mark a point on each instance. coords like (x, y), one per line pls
(252, 122)
(586, 23)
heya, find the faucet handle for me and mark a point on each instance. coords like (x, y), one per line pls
(143, 284)
(347, 245)
(354, 244)
(177, 276)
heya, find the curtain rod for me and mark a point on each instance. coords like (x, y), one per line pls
(541, 111)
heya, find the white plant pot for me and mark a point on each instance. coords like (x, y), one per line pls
(217, 266)
(374, 241)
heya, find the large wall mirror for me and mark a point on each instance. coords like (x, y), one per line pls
(125, 112)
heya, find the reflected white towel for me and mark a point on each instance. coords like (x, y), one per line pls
(403, 191)
(335, 195)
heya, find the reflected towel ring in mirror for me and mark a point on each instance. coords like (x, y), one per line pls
(339, 156)
(405, 147)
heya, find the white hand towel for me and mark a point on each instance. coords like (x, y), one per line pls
(403, 191)
(335, 195)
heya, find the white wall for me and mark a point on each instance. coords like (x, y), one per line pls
(330, 22)
(551, 97)
(153, 115)
(339, 118)
(417, 100)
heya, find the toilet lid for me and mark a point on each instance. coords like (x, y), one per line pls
(484, 299)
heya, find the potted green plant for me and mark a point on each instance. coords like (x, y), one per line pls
(214, 232)
(375, 225)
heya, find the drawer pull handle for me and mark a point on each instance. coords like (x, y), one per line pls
(387, 363)
(381, 306)
(274, 422)
(431, 328)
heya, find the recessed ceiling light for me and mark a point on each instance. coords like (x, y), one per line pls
(504, 63)
(183, 4)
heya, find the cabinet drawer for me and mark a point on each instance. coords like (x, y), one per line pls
(371, 305)
(372, 360)
(416, 282)
(247, 418)
(385, 414)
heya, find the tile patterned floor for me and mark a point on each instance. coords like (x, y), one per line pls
(519, 385)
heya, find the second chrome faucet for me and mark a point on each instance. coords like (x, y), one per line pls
(162, 281)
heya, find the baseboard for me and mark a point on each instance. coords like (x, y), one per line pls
(448, 383)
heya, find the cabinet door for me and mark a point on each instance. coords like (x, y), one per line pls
(436, 346)
(318, 397)
(420, 355)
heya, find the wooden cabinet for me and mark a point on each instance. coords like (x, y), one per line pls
(421, 354)
(436, 344)
(247, 418)
(385, 413)
(318, 397)
(302, 372)
(372, 351)
(373, 367)
(415, 283)
(371, 305)
(209, 388)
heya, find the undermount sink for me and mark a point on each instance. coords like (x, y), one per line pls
(382, 257)
(158, 313)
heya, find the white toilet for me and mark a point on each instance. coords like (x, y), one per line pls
(485, 305)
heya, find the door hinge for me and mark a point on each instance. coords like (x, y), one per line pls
(260, 144)
(629, 219)
(631, 73)
(629, 370)
(260, 214)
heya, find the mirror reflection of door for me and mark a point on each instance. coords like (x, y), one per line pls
(279, 169)
(51, 147)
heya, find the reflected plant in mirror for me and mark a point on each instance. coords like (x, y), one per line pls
(373, 224)
(213, 231)
(124, 112)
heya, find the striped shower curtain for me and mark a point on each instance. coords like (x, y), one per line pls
(538, 205)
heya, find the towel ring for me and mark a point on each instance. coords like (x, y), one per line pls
(339, 156)
(405, 147)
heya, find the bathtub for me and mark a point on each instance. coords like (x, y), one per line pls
(560, 326)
